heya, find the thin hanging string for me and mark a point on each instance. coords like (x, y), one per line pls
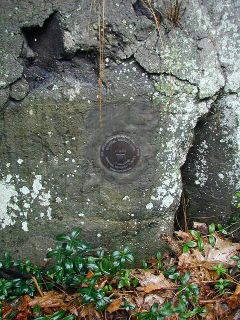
(101, 24)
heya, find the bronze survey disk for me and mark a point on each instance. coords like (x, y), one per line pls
(119, 154)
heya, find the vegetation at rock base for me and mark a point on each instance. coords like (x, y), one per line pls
(197, 279)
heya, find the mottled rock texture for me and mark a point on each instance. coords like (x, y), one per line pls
(172, 87)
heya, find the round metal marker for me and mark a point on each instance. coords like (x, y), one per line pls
(119, 154)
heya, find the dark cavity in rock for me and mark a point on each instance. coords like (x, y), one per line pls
(46, 42)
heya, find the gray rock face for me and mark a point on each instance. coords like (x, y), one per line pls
(172, 89)
(19, 89)
(210, 170)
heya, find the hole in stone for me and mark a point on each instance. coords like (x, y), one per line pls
(46, 42)
(142, 9)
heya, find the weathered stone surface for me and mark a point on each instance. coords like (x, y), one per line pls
(19, 89)
(4, 95)
(10, 68)
(210, 172)
(166, 89)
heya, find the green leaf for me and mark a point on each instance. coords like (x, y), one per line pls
(130, 257)
(144, 264)
(174, 276)
(75, 233)
(78, 263)
(211, 228)
(36, 308)
(185, 248)
(159, 256)
(200, 244)
(106, 266)
(68, 264)
(135, 282)
(57, 315)
(181, 307)
(196, 234)
(52, 253)
(194, 288)
(166, 309)
(128, 306)
(191, 244)
(219, 268)
(82, 246)
(124, 282)
(12, 315)
(116, 254)
(221, 229)
(154, 307)
(70, 317)
(7, 260)
(62, 237)
(212, 240)
(101, 304)
(184, 279)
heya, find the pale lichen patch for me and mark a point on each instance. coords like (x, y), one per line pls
(7, 192)
(25, 226)
(11, 195)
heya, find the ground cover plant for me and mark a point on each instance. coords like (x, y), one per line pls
(198, 278)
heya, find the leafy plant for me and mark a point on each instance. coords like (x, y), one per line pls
(10, 289)
(188, 245)
(157, 313)
(58, 315)
(100, 279)
(122, 258)
(221, 285)
(197, 236)
(96, 296)
(211, 238)
(70, 265)
(159, 260)
(220, 270)
(221, 229)
(144, 264)
(126, 279)
(237, 258)
(128, 306)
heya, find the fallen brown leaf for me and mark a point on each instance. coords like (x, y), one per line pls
(210, 256)
(51, 299)
(150, 282)
(185, 236)
(222, 251)
(152, 298)
(201, 227)
(90, 274)
(90, 312)
(114, 305)
(234, 300)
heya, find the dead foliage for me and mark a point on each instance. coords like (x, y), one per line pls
(200, 267)
(174, 11)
